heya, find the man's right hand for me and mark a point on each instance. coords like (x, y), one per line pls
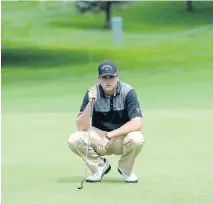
(92, 94)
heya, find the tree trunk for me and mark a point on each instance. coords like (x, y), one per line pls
(108, 14)
(189, 5)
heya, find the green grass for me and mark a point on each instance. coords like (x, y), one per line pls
(50, 59)
(175, 166)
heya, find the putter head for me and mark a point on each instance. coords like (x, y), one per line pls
(81, 187)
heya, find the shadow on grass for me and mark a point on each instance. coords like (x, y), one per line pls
(77, 179)
(84, 21)
(35, 58)
(82, 25)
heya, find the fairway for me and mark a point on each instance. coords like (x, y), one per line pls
(47, 67)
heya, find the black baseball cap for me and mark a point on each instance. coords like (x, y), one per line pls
(107, 68)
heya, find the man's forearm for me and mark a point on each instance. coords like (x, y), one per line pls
(83, 119)
(133, 125)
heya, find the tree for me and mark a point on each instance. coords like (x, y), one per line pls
(189, 5)
(97, 6)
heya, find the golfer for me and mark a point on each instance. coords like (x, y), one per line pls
(116, 125)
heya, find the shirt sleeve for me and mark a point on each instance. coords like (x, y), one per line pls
(84, 103)
(132, 105)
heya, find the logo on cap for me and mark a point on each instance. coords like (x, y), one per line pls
(106, 67)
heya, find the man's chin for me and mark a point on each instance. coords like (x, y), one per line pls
(108, 89)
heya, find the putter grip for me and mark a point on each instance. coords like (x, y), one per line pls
(91, 113)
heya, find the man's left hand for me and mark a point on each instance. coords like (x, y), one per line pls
(101, 146)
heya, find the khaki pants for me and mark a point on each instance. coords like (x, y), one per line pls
(128, 147)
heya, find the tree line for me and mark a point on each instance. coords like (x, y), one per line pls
(106, 7)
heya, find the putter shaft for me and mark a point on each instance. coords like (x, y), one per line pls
(90, 126)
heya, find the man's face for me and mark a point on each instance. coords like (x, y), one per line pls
(109, 83)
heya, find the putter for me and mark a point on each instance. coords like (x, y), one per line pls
(85, 166)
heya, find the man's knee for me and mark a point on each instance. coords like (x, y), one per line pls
(74, 139)
(135, 139)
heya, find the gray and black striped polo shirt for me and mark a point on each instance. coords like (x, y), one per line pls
(111, 112)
